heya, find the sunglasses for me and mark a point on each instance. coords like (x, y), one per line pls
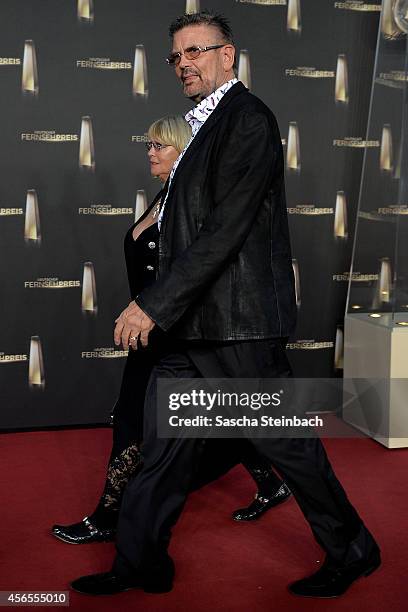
(191, 53)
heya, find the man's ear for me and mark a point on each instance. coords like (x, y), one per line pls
(228, 56)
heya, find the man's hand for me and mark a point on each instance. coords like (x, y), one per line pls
(131, 324)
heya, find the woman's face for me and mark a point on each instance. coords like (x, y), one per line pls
(162, 160)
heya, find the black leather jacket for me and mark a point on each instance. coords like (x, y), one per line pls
(225, 268)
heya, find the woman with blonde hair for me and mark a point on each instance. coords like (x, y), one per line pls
(167, 138)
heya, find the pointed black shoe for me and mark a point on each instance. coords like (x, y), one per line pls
(261, 504)
(106, 583)
(109, 583)
(332, 581)
(84, 532)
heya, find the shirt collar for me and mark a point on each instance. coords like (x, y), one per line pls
(203, 110)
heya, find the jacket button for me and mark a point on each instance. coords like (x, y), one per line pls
(150, 268)
(151, 245)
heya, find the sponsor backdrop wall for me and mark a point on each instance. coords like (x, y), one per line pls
(81, 81)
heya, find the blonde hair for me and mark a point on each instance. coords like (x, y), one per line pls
(173, 130)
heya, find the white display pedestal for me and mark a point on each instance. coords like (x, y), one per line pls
(376, 375)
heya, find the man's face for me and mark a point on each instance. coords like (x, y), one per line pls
(211, 69)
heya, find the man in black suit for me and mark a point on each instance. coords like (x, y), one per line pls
(225, 293)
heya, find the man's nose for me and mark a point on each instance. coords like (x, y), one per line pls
(184, 62)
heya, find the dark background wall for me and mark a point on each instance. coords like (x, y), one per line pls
(294, 71)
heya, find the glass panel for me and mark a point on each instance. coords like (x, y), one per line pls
(378, 284)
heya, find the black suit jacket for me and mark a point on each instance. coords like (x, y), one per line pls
(225, 269)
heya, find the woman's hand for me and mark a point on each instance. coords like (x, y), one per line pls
(132, 324)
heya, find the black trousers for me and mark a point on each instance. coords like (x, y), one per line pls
(128, 418)
(154, 499)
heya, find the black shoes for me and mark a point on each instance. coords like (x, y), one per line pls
(84, 532)
(332, 581)
(109, 583)
(261, 504)
(87, 531)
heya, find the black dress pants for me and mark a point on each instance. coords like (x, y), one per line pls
(154, 499)
(128, 418)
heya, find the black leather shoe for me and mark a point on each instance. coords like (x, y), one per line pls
(331, 581)
(106, 583)
(109, 583)
(84, 532)
(261, 504)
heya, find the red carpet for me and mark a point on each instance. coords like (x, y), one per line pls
(49, 477)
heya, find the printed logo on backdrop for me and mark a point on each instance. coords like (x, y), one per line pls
(355, 277)
(10, 61)
(340, 213)
(358, 5)
(358, 143)
(293, 148)
(192, 6)
(139, 80)
(341, 88)
(108, 210)
(10, 212)
(340, 229)
(86, 145)
(309, 345)
(140, 84)
(341, 94)
(264, 2)
(103, 63)
(387, 149)
(89, 300)
(105, 210)
(51, 283)
(293, 18)
(32, 230)
(393, 209)
(36, 376)
(394, 77)
(11, 358)
(140, 203)
(244, 68)
(104, 353)
(379, 294)
(139, 138)
(48, 136)
(383, 288)
(86, 141)
(389, 162)
(309, 72)
(85, 11)
(393, 20)
(29, 80)
(296, 276)
(339, 348)
(309, 209)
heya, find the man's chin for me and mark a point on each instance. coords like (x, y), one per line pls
(191, 92)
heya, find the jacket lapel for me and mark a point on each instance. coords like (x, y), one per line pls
(212, 120)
